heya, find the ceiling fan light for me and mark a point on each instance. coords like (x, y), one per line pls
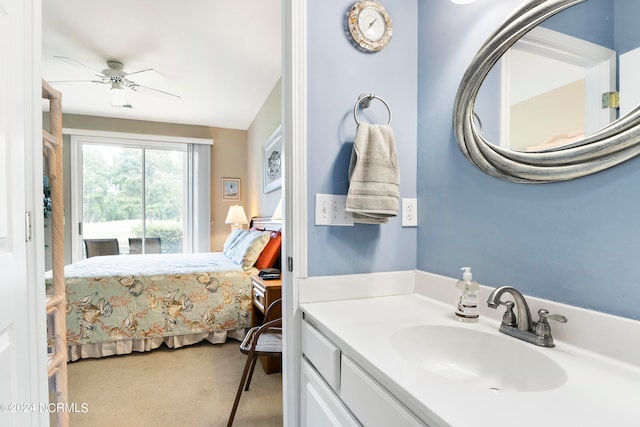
(118, 96)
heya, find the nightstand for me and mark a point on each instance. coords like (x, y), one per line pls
(264, 292)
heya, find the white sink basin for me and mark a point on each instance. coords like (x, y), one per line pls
(478, 359)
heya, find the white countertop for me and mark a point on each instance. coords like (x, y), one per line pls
(599, 391)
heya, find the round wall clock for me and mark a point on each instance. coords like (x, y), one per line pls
(369, 25)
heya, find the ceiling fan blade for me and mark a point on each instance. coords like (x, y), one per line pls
(151, 91)
(145, 75)
(74, 81)
(73, 62)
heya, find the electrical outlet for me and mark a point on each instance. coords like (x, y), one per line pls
(409, 212)
(331, 210)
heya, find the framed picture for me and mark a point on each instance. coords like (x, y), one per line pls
(272, 161)
(230, 188)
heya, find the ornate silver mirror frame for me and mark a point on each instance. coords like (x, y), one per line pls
(608, 147)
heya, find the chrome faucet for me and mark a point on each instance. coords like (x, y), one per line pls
(521, 326)
(524, 315)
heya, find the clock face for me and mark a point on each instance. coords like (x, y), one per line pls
(369, 25)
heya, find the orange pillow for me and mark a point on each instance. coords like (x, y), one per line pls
(271, 253)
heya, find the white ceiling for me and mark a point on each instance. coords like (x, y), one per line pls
(223, 57)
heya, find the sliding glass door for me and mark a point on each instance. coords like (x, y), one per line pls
(165, 201)
(134, 193)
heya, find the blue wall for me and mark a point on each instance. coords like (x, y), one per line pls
(576, 242)
(337, 74)
(627, 16)
(592, 20)
(610, 23)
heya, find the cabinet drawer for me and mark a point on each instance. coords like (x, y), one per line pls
(259, 298)
(322, 353)
(372, 405)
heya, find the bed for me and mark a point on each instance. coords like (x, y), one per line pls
(119, 304)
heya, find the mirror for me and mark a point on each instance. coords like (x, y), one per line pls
(500, 124)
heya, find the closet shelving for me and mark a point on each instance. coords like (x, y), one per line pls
(56, 299)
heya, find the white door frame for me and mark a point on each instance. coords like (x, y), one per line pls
(294, 119)
(21, 21)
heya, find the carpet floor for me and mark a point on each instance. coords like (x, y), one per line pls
(189, 386)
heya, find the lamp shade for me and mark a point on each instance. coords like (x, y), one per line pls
(277, 214)
(236, 215)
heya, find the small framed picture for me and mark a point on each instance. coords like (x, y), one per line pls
(272, 161)
(230, 188)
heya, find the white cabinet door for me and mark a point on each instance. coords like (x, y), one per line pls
(370, 403)
(320, 407)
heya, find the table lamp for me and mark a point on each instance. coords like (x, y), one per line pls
(236, 217)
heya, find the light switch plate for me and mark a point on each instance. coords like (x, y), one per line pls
(331, 210)
(409, 212)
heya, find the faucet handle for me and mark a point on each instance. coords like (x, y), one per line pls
(509, 317)
(544, 314)
(542, 329)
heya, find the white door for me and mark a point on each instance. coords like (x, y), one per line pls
(19, 361)
(629, 83)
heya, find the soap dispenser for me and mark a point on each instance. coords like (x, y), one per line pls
(466, 303)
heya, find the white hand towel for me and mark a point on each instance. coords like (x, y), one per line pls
(374, 177)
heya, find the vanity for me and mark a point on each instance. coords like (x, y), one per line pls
(393, 355)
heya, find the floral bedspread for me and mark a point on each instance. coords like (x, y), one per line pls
(123, 297)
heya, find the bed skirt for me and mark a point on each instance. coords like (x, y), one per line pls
(75, 352)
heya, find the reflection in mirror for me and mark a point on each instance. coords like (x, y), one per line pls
(538, 85)
(548, 88)
(557, 104)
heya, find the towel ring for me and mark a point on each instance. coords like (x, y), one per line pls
(365, 100)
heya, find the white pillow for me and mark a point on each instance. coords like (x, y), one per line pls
(235, 234)
(246, 248)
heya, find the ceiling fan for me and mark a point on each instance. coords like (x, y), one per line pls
(118, 80)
